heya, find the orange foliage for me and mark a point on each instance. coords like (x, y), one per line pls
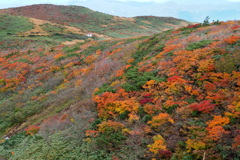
(70, 64)
(232, 39)
(210, 86)
(151, 109)
(110, 126)
(169, 48)
(91, 133)
(119, 73)
(32, 130)
(90, 59)
(111, 105)
(98, 52)
(215, 133)
(218, 121)
(160, 120)
(133, 117)
(58, 56)
(114, 51)
(215, 129)
(1, 59)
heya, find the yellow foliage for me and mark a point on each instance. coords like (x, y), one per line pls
(125, 131)
(150, 84)
(204, 65)
(234, 110)
(127, 105)
(115, 83)
(130, 60)
(54, 68)
(88, 140)
(159, 144)
(193, 144)
(70, 64)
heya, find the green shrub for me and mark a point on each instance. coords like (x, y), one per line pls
(197, 45)
(124, 115)
(228, 63)
(191, 100)
(147, 118)
(71, 49)
(11, 54)
(111, 141)
(135, 80)
(95, 123)
(171, 108)
(105, 88)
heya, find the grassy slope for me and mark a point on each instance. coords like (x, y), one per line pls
(10, 27)
(18, 32)
(92, 21)
(180, 97)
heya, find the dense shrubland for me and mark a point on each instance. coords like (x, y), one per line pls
(174, 95)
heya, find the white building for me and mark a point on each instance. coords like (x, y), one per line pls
(89, 35)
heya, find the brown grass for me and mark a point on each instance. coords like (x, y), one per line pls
(146, 22)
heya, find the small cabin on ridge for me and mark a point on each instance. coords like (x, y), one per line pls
(89, 34)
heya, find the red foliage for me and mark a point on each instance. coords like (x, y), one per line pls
(145, 100)
(165, 154)
(236, 142)
(176, 79)
(204, 106)
(147, 95)
(236, 27)
(194, 25)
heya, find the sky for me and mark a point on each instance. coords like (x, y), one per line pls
(191, 10)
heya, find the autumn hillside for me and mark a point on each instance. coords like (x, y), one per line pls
(97, 22)
(173, 95)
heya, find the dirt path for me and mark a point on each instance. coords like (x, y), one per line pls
(37, 30)
(72, 42)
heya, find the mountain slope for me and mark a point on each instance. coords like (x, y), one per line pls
(18, 32)
(86, 19)
(173, 95)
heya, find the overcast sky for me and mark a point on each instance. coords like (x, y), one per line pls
(191, 10)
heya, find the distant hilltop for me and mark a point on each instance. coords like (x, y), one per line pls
(97, 22)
